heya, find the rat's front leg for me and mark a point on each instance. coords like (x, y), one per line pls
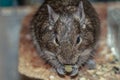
(75, 71)
(76, 67)
(91, 64)
(52, 60)
(81, 60)
(58, 67)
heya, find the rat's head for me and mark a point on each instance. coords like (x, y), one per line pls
(68, 35)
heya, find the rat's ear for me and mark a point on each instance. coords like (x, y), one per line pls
(80, 14)
(53, 17)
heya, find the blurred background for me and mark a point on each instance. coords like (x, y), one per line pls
(12, 12)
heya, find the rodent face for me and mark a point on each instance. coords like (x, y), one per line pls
(68, 39)
(68, 36)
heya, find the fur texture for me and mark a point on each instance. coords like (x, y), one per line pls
(66, 33)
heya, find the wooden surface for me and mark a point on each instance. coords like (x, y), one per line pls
(31, 65)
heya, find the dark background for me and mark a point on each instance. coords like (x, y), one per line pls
(7, 3)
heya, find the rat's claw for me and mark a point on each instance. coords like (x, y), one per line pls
(61, 71)
(75, 71)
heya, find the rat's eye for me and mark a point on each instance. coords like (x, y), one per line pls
(79, 40)
(56, 41)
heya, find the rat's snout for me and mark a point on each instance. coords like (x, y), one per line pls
(71, 70)
(68, 53)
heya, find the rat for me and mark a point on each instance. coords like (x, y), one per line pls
(66, 33)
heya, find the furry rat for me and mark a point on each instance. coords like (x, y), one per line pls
(65, 33)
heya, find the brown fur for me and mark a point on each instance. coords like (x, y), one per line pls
(66, 29)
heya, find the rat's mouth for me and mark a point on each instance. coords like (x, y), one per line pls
(72, 70)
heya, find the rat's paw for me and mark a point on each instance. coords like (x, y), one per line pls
(60, 70)
(74, 71)
(91, 64)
